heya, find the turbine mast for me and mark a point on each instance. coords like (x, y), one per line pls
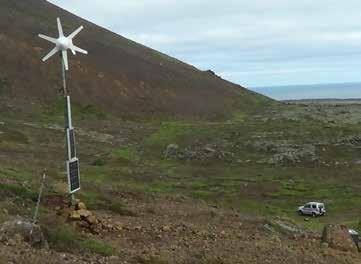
(62, 44)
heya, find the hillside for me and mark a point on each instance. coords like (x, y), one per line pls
(118, 75)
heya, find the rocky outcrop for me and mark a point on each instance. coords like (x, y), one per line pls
(171, 152)
(338, 237)
(283, 226)
(206, 152)
(88, 221)
(284, 152)
(23, 229)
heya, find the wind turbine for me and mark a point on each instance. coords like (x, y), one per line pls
(62, 44)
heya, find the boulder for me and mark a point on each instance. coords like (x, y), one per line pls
(338, 237)
(84, 213)
(171, 151)
(30, 233)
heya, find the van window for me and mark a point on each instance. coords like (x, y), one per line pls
(307, 206)
(314, 206)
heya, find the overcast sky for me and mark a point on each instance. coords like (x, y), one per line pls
(250, 42)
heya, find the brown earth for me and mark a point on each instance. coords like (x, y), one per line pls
(182, 230)
(118, 75)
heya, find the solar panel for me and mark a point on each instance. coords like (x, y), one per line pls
(71, 143)
(73, 175)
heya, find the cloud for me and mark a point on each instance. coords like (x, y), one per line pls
(251, 42)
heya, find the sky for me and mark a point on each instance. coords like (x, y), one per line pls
(255, 43)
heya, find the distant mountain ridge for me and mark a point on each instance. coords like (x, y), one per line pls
(118, 75)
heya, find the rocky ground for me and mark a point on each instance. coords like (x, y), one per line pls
(180, 230)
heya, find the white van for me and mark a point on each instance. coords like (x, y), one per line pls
(312, 208)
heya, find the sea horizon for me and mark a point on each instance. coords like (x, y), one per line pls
(350, 90)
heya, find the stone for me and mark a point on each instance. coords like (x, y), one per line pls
(91, 219)
(166, 228)
(74, 215)
(171, 151)
(209, 149)
(80, 206)
(338, 237)
(29, 232)
(84, 213)
(84, 224)
(118, 227)
(324, 245)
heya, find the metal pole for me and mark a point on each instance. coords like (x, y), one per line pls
(66, 111)
(35, 219)
(65, 92)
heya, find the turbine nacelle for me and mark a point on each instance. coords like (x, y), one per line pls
(62, 44)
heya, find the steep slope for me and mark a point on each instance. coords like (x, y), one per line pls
(118, 75)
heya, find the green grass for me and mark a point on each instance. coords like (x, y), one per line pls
(13, 136)
(16, 174)
(98, 247)
(181, 133)
(125, 154)
(101, 200)
(54, 113)
(13, 190)
(169, 132)
(64, 238)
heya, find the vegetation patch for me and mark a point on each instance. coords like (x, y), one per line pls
(126, 154)
(54, 112)
(64, 238)
(13, 190)
(101, 201)
(98, 247)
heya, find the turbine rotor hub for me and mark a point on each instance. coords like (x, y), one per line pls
(64, 43)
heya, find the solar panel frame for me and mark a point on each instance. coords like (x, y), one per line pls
(73, 173)
(70, 136)
(68, 120)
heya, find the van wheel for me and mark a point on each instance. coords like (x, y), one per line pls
(300, 212)
(313, 215)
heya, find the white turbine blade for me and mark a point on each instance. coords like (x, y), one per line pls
(76, 32)
(75, 48)
(51, 53)
(73, 51)
(52, 40)
(60, 28)
(65, 59)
